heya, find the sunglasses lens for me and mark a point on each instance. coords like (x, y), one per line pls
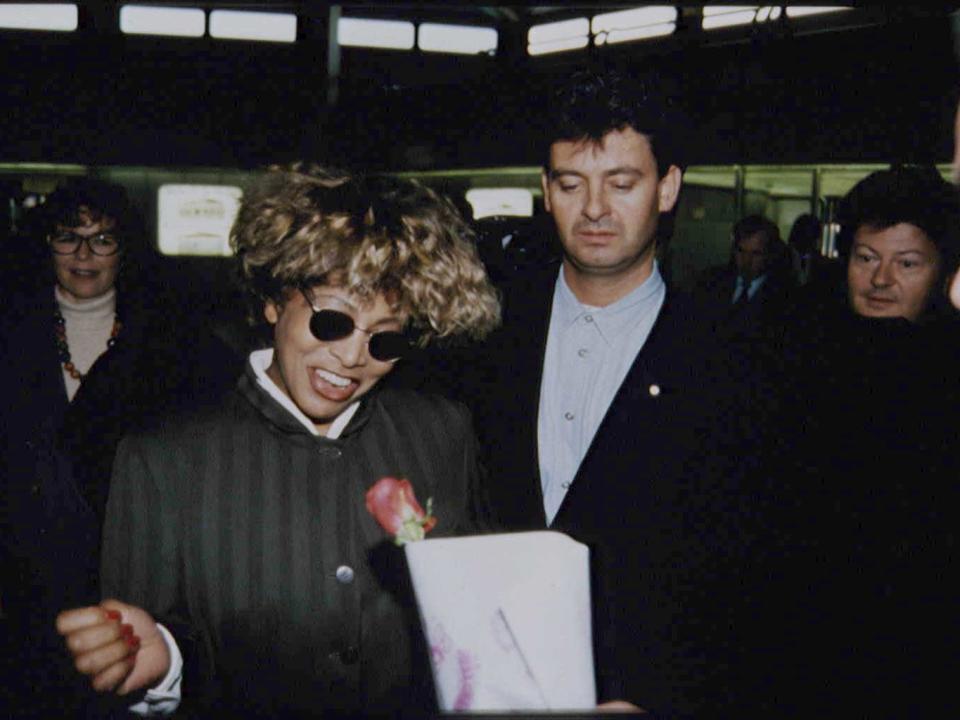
(388, 346)
(330, 325)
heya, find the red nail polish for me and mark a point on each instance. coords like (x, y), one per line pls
(112, 614)
(126, 630)
(133, 641)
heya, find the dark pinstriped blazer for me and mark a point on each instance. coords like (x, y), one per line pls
(250, 537)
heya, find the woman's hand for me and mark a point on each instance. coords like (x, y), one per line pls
(117, 646)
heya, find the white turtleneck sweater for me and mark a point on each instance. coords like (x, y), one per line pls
(88, 324)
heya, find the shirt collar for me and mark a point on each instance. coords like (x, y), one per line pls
(568, 308)
(260, 360)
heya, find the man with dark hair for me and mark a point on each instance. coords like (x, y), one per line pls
(870, 383)
(900, 231)
(599, 414)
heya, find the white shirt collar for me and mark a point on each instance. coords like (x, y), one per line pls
(260, 360)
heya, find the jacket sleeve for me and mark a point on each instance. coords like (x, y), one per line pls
(141, 559)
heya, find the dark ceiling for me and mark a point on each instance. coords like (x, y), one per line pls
(871, 84)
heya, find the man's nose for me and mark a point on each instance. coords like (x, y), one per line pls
(596, 205)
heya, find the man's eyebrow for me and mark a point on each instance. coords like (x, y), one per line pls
(623, 170)
(620, 170)
(557, 173)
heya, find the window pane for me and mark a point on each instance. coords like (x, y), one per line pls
(487, 202)
(30, 16)
(463, 39)
(360, 32)
(196, 219)
(241, 25)
(150, 20)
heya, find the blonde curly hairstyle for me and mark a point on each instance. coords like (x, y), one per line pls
(305, 225)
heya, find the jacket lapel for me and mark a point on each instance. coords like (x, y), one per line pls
(648, 382)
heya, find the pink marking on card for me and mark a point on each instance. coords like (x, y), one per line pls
(468, 671)
(440, 642)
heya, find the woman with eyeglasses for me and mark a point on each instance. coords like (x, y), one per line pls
(91, 347)
(253, 580)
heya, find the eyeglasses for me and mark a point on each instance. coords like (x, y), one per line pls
(67, 243)
(328, 325)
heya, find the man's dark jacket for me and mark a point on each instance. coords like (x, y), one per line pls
(660, 497)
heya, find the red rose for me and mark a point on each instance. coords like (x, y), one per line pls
(393, 504)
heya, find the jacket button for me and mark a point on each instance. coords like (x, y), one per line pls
(345, 574)
(654, 390)
(35, 488)
(350, 655)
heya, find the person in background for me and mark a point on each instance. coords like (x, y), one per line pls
(243, 529)
(898, 237)
(870, 482)
(752, 292)
(91, 347)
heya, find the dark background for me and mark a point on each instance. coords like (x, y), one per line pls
(881, 88)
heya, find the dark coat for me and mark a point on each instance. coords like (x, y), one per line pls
(659, 498)
(870, 518)
(236, 527)
(56, 455)
(747, 320)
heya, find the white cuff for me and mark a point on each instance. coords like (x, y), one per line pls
(164, 697)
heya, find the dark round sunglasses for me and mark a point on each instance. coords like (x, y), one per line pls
(385, 346)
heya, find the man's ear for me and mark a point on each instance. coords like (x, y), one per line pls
(668, 188)
(271, 312)
(545, 185)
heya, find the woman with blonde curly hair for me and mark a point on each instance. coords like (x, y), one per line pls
(244, 531)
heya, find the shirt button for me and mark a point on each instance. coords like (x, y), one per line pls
(583, 352)
(565, 486)
(654, 390)
(568, 415)
(345, 574)
(588, 318)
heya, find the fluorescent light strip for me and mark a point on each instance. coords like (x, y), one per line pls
(803, 11)
(260, 26)
(635, 18)
(558, 46)
(641, 33)
(563, 30)
(153, 20)
(462, 39)
(729, 18)
(32, 16)
(388, 34)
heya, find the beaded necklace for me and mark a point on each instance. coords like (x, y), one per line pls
(63, 350)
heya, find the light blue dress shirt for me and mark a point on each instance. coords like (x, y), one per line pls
(589, 351)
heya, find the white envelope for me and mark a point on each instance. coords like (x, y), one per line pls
(507, 619)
